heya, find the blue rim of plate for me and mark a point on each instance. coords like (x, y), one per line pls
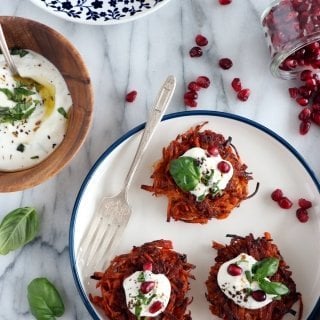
(315, 312)
(100, 12)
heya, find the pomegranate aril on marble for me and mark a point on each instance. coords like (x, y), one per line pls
(234, 270)
(203, 82)
(302, 215)
(191, 95)
(195, 52)
(192, 103)
(131, 96)
(243, 95)
(225, 2)
(201, 40)
(304, 203)
(285, 203)
(277, 194)
(304, 127)
(193, 86)
(236, 84)
(225, 63)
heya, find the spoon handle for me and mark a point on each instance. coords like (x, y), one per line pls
(6, 53)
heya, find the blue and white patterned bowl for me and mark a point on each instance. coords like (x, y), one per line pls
(100, 12)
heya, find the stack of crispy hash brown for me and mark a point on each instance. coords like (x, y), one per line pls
(183, 205)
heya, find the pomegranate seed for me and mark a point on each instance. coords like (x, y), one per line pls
(315, 107)
(302, 215)
(315, 117)
(293, 92)
(191, 95)
(203, 82)
(131, 96)
(311, 84)
(285, 203)
(193, 86)
(277, 194)
(190, 103)
(147, 266)
(304, 114)
(147, 286)
(243, 95)
(302, 101)
(195, 52)
(201, 40)
(213, 151)
(225, 63)
(259, 295)
(304, 127)
(236, 84)
(305, 92)
(225, 2)
(155, 307)
(304, 203)
(234, 270)
(224, 166)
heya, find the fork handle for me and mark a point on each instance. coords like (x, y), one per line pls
(159, 108)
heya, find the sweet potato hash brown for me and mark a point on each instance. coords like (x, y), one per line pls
(183, 205)
(259, 248)
(165, 261)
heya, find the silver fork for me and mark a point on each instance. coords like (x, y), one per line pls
(108, 223)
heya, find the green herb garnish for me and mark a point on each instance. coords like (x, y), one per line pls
(185, 173)
(141, 277)
(63, 112)
(21, 147)
(19, 52)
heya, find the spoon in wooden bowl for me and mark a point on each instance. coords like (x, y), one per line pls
(7, 55)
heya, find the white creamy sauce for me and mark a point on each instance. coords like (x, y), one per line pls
(25, 143)
(235, 287)
(161, 292)
(208, 165)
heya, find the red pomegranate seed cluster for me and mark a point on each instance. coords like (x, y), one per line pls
(290, 21)
(242, 94)
(307, 96)
(196, 51)
(285, 203)
(191, 96)
(131, 96)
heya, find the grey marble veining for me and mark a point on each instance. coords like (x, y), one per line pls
(139, 55)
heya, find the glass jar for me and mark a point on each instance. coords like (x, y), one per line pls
(292, 31)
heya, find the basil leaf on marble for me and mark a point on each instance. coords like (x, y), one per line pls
(44, 300)
(17, 228)
(185, 173)
(272, 287)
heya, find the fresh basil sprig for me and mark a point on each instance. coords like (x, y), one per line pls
(264, 269)
(185, 173)
(44, 300)
(17, 228)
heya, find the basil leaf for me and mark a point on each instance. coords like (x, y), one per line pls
(20, 52)
(17, 228)
(185, 173)
(265, 268)
(44, 300)
(63, 112)
(276, 288)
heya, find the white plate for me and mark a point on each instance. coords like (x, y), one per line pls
(100, 12)
(274, 163)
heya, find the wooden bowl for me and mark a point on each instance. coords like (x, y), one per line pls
(27, 34)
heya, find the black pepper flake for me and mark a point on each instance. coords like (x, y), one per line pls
(48, 137)
(54, 145)
(21, 147)
(34, 157)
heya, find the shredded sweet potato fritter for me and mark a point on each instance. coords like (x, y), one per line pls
(183, 205)
(260, 248)
(165, 261)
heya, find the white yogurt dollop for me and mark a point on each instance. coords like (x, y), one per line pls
(236, 287)
(216, 181)
(138, 303)
(28, 141)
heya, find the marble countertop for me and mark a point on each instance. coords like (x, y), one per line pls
(138, 56)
